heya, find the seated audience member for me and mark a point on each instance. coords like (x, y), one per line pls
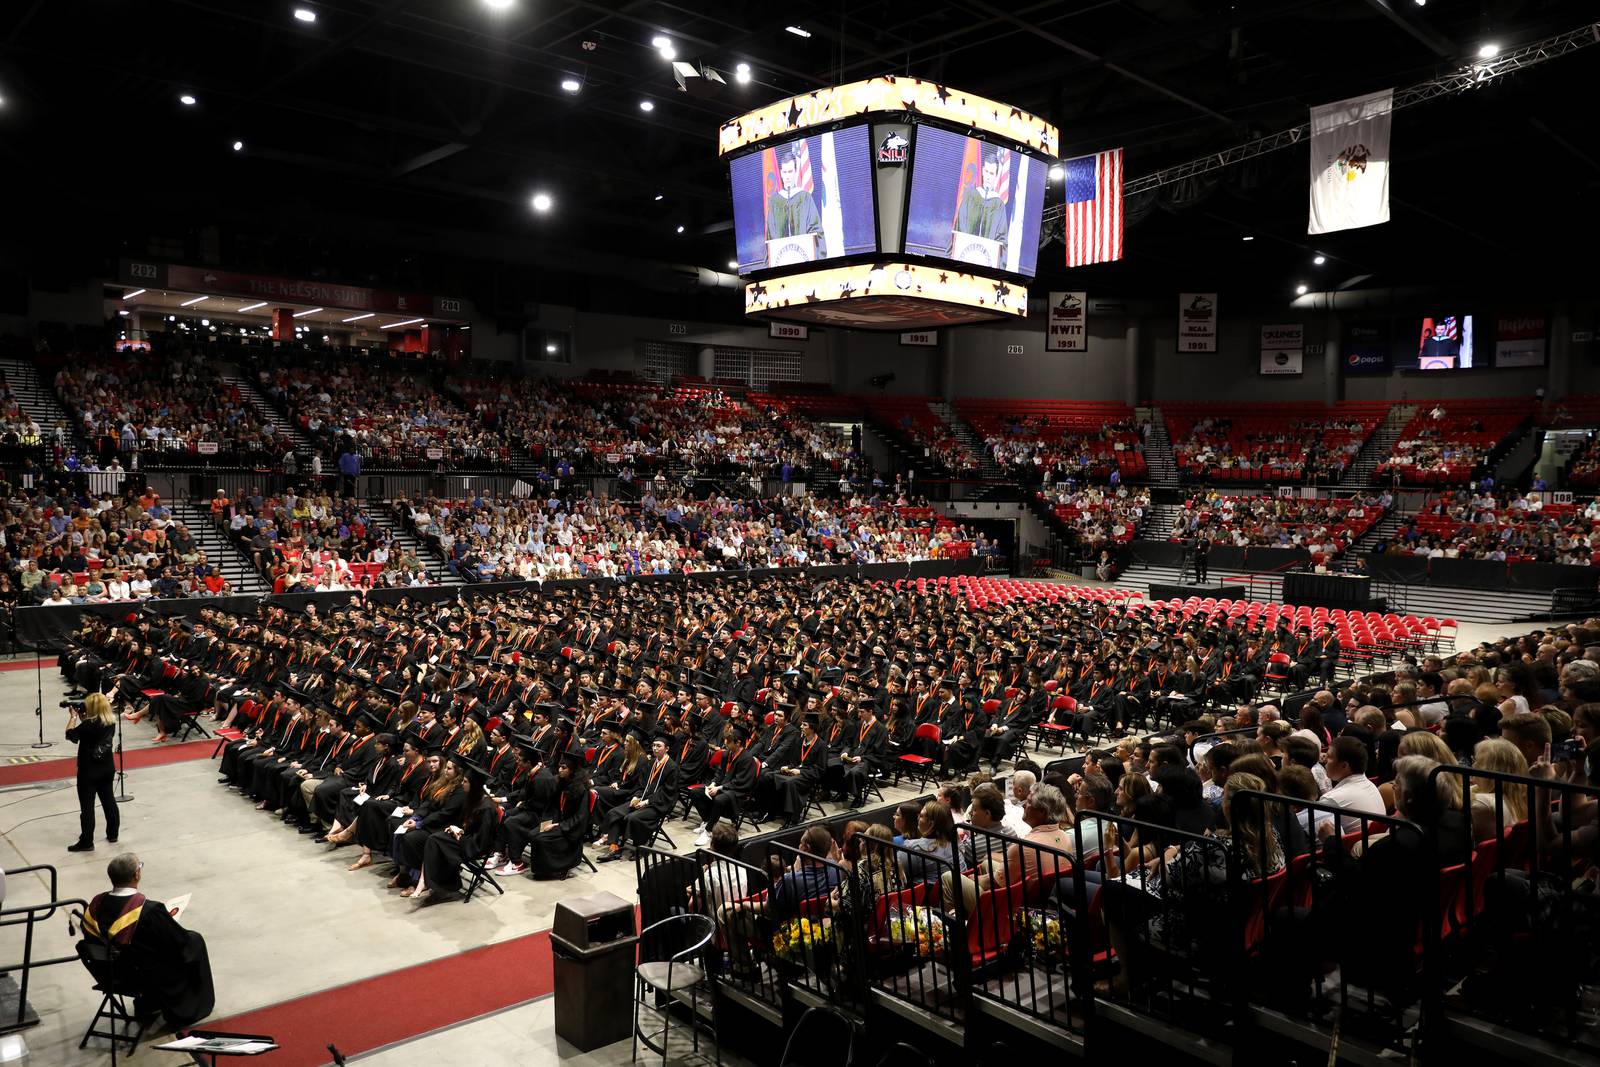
(174, 972)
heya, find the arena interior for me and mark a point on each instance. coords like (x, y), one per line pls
(901, 532)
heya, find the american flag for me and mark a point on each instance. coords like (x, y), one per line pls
(803, 152)
(1094, 208)
(1003, 180)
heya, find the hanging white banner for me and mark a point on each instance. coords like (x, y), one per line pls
(1066, 328)
(1197, 322)
(1350, 163)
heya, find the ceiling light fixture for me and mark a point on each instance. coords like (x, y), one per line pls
(1300, 290)
(660, 197)
(552, 348)
(252, 307)
(498, 5)
(1422, 3)
(130, 296)
(669, 53)
(798, 31)
(397, 325)
(741, 74)
(733, 264)
(205, 322)
(305, 14)
(1057, 172)
(660, 41)
(358, 318)
(191, 303)
(571, 85)
(187, 100)
(1488, 51)
(307, 311)
(647, 105)
(124, 313)
(1247, 237)
(1320, 260)
(680, 229)
(542, 201)
(238, 146)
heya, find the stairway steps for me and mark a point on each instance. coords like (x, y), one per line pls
(384, 519)
(233, 565)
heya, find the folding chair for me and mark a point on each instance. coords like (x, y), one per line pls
(117, 980)
(473, 862)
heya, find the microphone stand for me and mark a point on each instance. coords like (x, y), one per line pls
(38, 682)
(123, 796)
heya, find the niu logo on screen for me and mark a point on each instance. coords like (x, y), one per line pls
(893, 151)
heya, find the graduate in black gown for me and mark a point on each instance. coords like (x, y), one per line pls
(382, 776)
(377, 818)
(558, 846)
(471, 835)
(441, 804)
(174, 969)
(792, 785)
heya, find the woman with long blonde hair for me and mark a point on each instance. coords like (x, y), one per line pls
(1490, 816)
(93, 733)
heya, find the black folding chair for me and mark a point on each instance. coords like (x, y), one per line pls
(473, 862)
(118, 980)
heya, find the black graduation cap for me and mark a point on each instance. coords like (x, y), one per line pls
(574, 759)
(370, 719)
(476, 772)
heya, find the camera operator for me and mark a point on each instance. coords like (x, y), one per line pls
(93, 733)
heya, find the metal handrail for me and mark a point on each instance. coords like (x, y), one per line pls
(31, 914)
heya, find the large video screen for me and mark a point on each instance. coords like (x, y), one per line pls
(1444, 342)
(974, 202)
(804, 200)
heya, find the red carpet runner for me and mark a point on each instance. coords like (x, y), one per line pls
(402, 1004)
(137, 759)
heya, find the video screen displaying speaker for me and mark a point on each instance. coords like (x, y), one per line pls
(805, 200)
(1444, 342)
(975, 202)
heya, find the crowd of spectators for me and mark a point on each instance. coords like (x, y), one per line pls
(1325, 527)
(307, 541)
(1504, 527)
(576, 536)
(62, 546)
(1098, 518)
(391, 418)
(1303, 448)
(163, 410)
(1448, 443)
(1032, 448)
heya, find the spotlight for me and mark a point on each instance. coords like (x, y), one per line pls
(238, 146)
(798, 31)
(571, 85)
(1422, 3)
(647, 105)
(541, 201)
(187, 100)
(305, 14)
(1057, 172)
(552, 348)
(1247, 237)
(733, 264)
(680, 229)
(1320, 260)
(660, 41)
(660, 197)
(205, 322)
(498, 5)
(669, 53)
(741, 74)
(1300, 290)
(1489, 51)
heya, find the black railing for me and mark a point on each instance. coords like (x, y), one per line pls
(28, 916)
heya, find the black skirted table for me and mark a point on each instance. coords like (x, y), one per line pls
(1327, 590)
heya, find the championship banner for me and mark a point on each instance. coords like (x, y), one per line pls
(1350, 163)
(1366, 348)
(1283, 349)
(1066, 330)
(1519, 339)
(1197, 322)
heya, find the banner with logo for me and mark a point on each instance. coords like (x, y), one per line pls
(1366, 348)
(1519, 339)
(1067, 329)
(1350, 163)
(1283, 349)
(1197, 322)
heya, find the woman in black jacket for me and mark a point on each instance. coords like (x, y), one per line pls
(93, 735)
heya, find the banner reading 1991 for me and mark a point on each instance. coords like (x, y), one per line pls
(1066, 328)
(1197, 322)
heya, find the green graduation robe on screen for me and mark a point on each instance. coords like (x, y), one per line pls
(983, 216)
(793, 214)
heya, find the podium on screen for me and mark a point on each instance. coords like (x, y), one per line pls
(970, 248)
(785, 251)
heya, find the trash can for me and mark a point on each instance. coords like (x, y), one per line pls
(592, 941)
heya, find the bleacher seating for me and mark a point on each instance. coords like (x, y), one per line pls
(1054, 440)
(916, 424)
(1513, 529)
(1447, 441)
(1324, 527)
(1269, 442)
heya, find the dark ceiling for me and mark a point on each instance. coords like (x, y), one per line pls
(399, 141)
